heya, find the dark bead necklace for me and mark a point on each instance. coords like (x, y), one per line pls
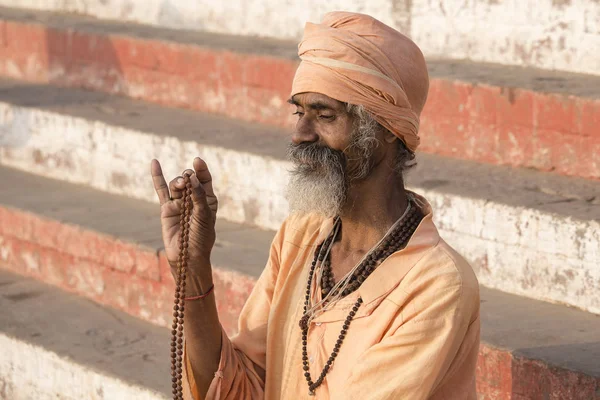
(396, 240)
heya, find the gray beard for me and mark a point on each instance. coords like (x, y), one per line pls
(320, 188)
(320, 179)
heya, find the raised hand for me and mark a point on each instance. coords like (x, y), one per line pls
(202, 223)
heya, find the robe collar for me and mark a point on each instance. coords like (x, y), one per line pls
(388, 275)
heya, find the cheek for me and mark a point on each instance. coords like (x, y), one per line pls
(337, 135)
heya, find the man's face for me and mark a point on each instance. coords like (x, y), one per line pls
(330, 151)
(321, 119)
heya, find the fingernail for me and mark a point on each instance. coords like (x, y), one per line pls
(179, 181)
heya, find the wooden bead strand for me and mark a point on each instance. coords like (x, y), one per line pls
(179, 302)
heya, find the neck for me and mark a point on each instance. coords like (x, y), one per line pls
(373, 206)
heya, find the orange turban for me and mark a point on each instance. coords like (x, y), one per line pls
(357, 59)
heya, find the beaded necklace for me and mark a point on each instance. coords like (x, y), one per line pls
(394, 240)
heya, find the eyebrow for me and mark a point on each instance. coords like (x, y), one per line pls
(317, 105)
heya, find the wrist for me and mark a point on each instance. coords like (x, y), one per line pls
(201, 296)
(198, 281)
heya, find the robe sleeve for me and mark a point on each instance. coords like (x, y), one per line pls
(241, 371)
(438, 337)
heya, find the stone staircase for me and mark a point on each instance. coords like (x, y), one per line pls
(510, 163)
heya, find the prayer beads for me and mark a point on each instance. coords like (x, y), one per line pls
(179, 302)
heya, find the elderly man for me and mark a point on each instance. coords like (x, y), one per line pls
(360, 298)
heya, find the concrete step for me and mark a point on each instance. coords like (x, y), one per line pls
(558, 35)
(57, 345)
(525, 232)
(530, 350)
(483, 112)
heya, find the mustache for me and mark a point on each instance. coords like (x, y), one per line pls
(316, 155)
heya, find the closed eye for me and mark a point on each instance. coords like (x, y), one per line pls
(327, 117)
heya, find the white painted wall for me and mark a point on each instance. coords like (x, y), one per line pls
(276, 18)
(549, 34)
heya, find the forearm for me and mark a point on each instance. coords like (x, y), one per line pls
(225, 370)
(202, 330)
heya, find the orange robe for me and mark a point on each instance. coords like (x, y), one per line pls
(416, 335)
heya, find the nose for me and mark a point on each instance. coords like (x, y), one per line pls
(304, 131)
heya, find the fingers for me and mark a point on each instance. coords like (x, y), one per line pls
(198, 193)
(177, 185)
(203, 175)
(200, 178)
(202, 171)
(160, 185)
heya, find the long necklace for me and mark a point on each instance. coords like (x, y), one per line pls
(358, 275)
(393, 242)
(350, 282)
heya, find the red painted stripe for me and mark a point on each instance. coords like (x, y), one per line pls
(491, 124)
(135, 279)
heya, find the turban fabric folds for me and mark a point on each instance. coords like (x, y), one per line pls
(357, 59)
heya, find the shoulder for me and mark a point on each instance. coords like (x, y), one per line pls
(442, 283)
(452, 263)
(441, 268)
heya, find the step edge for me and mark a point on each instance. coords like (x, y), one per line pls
(74, 367)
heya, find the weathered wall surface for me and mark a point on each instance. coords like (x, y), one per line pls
(549, 34)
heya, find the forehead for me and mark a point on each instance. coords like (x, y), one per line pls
(309, 99)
